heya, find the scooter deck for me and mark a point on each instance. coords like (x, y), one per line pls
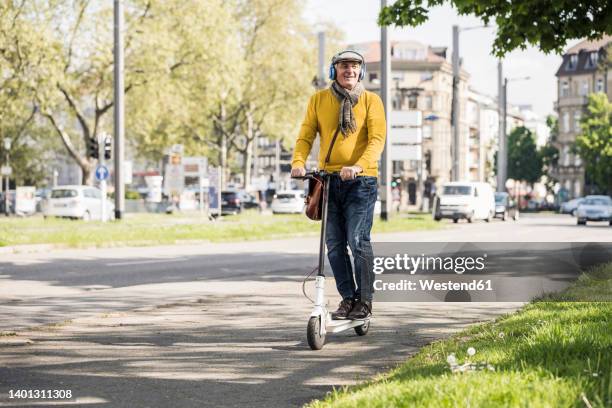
(335, 326)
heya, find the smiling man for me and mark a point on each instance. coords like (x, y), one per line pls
(351, 124)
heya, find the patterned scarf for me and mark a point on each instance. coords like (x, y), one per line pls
(347, 100)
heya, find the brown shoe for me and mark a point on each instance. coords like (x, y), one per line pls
(345, 307)
(361, 310)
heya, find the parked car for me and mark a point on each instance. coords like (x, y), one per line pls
(78, 202)
(11, 202)
(233, 202)
(505, 207)
(594, 208)
(288, 202)
(468, 200)
(570, 207)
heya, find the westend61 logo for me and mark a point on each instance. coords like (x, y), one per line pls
(412, 264)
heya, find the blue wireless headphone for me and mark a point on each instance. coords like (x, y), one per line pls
(337, 57)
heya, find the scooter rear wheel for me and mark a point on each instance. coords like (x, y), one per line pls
(315, 339)
(363, 329)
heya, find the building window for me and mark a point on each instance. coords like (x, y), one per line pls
(566, 126)
(577, 115)
(565, 88)
(599, 85)
(428, 102)
(572, 62)
(427, 132)
(412, 101)
(584, 88)
(566, 155)
(577, 160)
(592, 60)
(373, 76)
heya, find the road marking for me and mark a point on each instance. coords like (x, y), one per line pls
(150, 261)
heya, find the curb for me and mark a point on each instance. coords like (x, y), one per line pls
(20, 249)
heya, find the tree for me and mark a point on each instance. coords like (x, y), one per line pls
(178, 105)
(20, 50)
(272, 82)
(547, 24)
(594, 144)
(524, 162)
(77, 68)
(549, 153)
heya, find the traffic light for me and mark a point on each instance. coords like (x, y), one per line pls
(92, 148)
(396, 182)
(108, 147)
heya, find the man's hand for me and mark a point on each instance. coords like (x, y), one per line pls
(298, 172)
(350, 172)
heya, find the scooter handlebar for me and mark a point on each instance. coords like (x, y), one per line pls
(314, 173)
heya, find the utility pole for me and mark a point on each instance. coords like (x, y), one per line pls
(504, 155)
(119, 110)
(277, 152)
(455, 107)
(321, 71)
(102, 139)
(7, 171)
(501, 112)
(385, 77)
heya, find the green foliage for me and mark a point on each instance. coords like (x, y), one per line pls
(524, 161)
(549, 153)
(154, 229)
(553, 353)
(594, 144)
(197, 72)
(547, 24)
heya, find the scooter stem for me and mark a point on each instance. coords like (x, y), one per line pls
(326, 180)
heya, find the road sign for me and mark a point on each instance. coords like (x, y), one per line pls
(405, 135)
(6, 170)
(412, 118)
(102, 172)
(405, 151)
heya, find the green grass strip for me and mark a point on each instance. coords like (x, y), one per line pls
(160, 229)
(554, 352)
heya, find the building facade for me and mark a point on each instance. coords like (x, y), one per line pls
(584, 70)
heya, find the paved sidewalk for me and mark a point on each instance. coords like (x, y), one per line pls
(242, 344)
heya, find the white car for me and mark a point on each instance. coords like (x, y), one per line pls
(594, 208)
(468, 200)
(83, 202)
(288, 202)
(571, 206)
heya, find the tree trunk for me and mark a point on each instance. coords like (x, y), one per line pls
(246, 165)
(248, 151)
(87, 170)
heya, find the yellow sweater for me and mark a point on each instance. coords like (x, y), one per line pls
(362, 148)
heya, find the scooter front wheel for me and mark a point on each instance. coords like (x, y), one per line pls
(363, 329)
(316, 340)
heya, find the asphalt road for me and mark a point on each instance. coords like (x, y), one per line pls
(213, 324)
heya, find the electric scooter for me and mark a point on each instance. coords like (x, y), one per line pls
(320, 322)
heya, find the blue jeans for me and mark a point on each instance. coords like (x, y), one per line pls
(349, 220)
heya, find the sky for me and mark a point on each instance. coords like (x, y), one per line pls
(357, 18)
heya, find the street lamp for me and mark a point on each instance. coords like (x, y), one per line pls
(7, 172)
(502, 162)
